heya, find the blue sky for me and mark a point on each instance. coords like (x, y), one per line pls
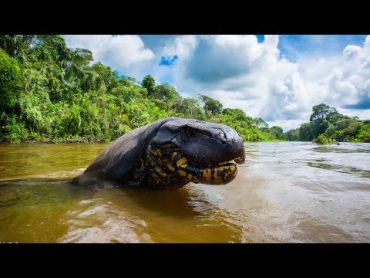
(278, 78)
(293, 46)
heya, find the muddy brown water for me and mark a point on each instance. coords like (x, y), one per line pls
(285, 192)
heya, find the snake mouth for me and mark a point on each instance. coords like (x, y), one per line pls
(172, 162)
(221, 173)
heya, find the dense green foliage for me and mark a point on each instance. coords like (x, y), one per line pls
(211, 106)
(49, 92)
(364, 133)
(148, 83)
(327, 126)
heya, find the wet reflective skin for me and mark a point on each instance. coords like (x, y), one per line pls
(284, 192)
(168, 154)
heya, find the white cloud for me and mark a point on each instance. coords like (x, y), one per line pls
(126, 54)
(243, 73)
(240, 72)
(341, 81)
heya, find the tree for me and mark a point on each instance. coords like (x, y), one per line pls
(261, 123)
(49, 92)
(211, 105)
(305, 132)
(165, 92)
(277, 132)
(188, 107)
(52, 48)
(16, 45)
(293, 135)
(11, 82)
(105, 76)
(322, 139)
(364, 134)
(327, 125)
(238, 114)
(165, 96)
(321, 111)
(149, 84)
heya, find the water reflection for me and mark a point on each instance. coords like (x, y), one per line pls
(340, 168)
(95, 221)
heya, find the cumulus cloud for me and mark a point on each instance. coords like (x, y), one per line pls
(341, 81)
(241, 72)
(127, 54)
(356, 73)
(218, 58)
(245, 73)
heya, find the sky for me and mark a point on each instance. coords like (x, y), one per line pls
(275, 77)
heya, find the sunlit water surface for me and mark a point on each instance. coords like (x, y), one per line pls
(285, 192)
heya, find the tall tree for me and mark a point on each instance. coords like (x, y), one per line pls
(321, 111)
(11, 83)
(211, 105)
(149, 84)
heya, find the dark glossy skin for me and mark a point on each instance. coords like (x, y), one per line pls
(169, 154)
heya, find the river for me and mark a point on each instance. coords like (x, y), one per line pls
(285, 192)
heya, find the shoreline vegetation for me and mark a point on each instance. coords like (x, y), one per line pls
(50, 93)
(328, 126)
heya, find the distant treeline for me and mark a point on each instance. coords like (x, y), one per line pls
(51, 93)
(327, 126)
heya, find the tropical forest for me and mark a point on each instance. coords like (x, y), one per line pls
(52, 93)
